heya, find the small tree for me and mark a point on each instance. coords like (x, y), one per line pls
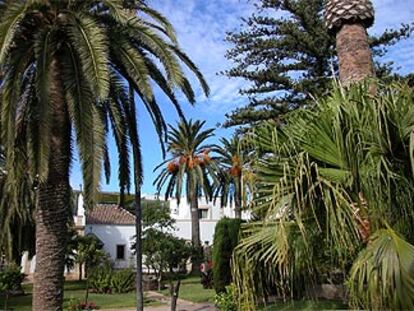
(163, 252)
(156, 221)
(174, 253)
(88, 253)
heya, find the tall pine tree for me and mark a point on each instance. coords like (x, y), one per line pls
(285, 53)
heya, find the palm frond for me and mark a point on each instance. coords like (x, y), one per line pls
(382, 277)
(12, 15)
(91, 44)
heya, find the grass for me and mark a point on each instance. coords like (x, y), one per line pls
(192, 290)
(76, 290)
(307, 305)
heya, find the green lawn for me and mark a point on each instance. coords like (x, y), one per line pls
(76, 290)
(307, 305)
(192, 290)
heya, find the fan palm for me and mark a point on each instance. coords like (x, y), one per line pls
(230, 162)
(62, 64)
(189, 167)
(333, 180)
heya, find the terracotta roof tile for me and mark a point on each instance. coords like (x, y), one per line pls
(109, 214)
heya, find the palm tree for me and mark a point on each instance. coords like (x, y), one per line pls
(189, 167)
(323, 176)
(348, 20)
(61, 63)
(230, 162)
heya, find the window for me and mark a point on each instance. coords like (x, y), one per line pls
(203, 213)
(120, 252)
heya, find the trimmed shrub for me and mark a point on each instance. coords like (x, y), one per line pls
(226, 237)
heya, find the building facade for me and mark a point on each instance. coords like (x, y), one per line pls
(114, 226)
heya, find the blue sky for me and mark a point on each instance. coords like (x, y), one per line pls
(201, 26)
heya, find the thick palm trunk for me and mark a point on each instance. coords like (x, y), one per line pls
(354, 54)
(52, 208)
(136, 153)
(195, 235)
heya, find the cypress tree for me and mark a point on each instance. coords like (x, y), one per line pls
(226, 237)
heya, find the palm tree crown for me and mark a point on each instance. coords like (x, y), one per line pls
(64, 69)
(96, 46)
(190, 161)
(230, 162)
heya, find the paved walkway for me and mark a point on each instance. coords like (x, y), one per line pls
(182, 305)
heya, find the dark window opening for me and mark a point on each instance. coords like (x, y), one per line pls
(203, 213)
(120, 252)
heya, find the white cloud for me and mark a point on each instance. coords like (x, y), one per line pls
(201, 27)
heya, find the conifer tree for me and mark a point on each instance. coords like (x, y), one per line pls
(286, 55)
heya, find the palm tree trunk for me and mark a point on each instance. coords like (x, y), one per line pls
(195, 222)
(53, 206)
(354, 54)
(237, 201)
(195, 234)
(136, 153)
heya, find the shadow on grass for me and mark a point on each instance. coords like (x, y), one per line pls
(76, 290)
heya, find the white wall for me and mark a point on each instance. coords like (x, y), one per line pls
(215, 211)
(206, 230)
(113, 235)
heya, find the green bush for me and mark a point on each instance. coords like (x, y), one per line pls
(226, 237)
(10, 281)
(100, 279)
(122, 281)
(226, 300)
(106, 280)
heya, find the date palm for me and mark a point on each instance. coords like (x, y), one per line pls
(348, 21)
(62, 63)
(189, 168)
(230, 162)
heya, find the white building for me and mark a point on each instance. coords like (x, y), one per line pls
(209, 214)
(114, 226)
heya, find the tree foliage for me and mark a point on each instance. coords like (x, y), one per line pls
(232, 162)
(286, 56)
(189, 164)
(226, 237)
(98, 45)
(332, 181)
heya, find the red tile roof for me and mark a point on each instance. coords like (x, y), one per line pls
(109, 214)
